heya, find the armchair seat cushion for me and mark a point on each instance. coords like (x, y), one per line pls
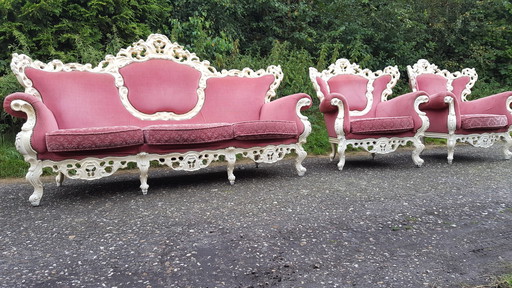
(382, 125)
(483, 121)
(260, 130)
(95, 138)
(169, 134)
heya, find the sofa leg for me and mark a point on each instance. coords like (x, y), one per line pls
(59, 179)
(34, 177)
(419, 146)
(507, 146)
(143, 164)
(301, 155)
(231, 159)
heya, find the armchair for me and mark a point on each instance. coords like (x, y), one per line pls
(357, 111)
(479, 122)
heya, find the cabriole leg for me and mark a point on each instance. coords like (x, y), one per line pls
(333, 151)
(451, 148)
(231, 159)
(419, 146)
(143, 164)
(59, 179)
(34, 177)
(342, 146)
(507, 146)
(301, 155)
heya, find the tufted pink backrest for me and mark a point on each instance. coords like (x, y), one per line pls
(235, 98)
(353, 87)
(158, 85)
(80, 99)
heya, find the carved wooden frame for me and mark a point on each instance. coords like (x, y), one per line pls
(344, 67)
(482, 140)
(91, 168)
(381, 145)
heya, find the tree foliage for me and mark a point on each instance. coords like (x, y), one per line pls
(295, 34)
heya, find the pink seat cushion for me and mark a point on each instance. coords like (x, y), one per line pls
(382, 125)
(483, 121)
(187, 133)
(97, 138)
(260, 130)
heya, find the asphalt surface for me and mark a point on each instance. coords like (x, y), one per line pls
(377, 223)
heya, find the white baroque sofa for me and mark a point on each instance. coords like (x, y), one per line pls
(152, 102)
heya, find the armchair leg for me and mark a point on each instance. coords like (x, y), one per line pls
(419, 146)
(507, 146)
(342, 146)
(301, 155)
(333, 151)
(451, 148)
(34, 177)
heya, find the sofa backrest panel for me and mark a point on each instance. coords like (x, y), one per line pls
(459, 84)
(353, 87)
(433, 83)
(158, 85)
(235, 98)
(80, 99)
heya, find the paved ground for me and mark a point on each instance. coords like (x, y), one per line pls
(379, 223)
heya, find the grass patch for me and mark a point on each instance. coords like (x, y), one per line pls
(12, 164)
(504, 281)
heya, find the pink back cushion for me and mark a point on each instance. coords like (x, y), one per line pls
(80, 99)
(379, 85)
(233, 98)
(353, 87)
(159, 85)
(431, 83)
(459, 85)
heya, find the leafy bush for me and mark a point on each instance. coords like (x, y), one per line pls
(246, 33)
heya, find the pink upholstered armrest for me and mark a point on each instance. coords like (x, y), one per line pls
(44, 118)
(493, 104)
(327, 108)
(284, 108)
(437, 101)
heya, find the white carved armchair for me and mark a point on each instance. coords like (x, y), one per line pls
(357, 112)
(479, 122)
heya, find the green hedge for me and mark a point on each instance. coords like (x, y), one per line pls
(295, 34)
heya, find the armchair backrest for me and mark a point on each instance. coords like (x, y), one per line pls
(424, 76)
(362, 88)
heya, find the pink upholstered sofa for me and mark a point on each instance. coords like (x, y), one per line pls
(152, 102)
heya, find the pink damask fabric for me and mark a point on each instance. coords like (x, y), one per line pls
(259, 130)
(97, 138)
(483, 121)
(187, 133)
(382, 125)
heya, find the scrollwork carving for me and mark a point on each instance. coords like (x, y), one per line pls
(343, 66)
(424, 67)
